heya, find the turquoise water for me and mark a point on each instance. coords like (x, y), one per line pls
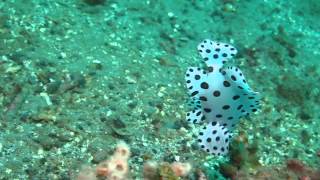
(79, 76)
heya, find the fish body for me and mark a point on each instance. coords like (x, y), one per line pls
(220, 95)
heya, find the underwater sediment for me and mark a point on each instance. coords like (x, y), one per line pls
(78, 77)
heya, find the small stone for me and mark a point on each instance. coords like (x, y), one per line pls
(229, 8)
(63, 55)
(53, 87)
(100, 156)
(170, 14)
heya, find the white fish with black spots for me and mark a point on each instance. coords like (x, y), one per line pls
(222, 96)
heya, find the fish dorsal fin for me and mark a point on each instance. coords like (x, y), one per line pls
(215, 54)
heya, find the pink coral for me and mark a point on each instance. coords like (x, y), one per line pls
(181, 169)
(86, 173)
(115, 168)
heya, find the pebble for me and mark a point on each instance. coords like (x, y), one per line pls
(170, 14)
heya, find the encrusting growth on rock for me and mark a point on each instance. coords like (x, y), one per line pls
(117, 168)
(154, 171)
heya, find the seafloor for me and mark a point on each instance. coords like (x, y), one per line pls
(77, 76)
